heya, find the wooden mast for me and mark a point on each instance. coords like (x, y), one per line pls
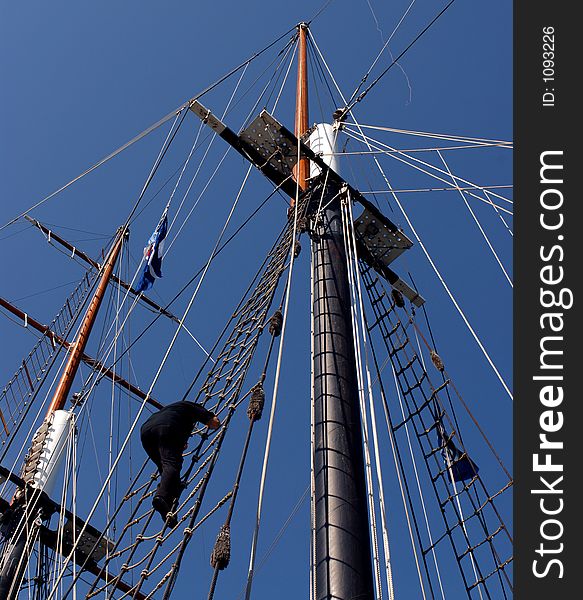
(302, 169)
(78, 346)
(20, 544)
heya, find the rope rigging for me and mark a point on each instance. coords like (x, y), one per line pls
(488, 242)
(277, 329)
(229, 372)
(221, 247)
(20, 392)
(410, 160)
(34, 500)
(358, 335)
(221, 552)
(350, 105)
(122, 448)
(144, 560)
(217, 251)
(447, 289)
(425, 412)
(442, 136)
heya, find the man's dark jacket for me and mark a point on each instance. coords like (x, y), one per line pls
(180, 417)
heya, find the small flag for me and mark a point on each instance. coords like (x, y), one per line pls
(153, 257)
(462, 466)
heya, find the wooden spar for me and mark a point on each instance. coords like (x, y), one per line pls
(73, 249)
(78, 346)
(302, 169)
(92, 362)
(21, 541)
(79, 253)
(49, 537)
(27, 319)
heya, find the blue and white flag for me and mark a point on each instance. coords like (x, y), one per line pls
(461, 465)
(153, 257)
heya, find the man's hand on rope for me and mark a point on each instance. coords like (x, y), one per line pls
(213, 423)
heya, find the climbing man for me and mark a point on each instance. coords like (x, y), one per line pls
(164, 437)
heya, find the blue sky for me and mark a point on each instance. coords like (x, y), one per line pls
(80, 79)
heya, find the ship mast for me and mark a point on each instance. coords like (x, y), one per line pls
(46, 452)
(342, 551)
(302, 169)
(76, 355)
(341, 558)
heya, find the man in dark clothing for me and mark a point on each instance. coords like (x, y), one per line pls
(164, 437)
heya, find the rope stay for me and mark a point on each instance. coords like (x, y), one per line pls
(410, 161)
(198, 169)
(395, 61)
(440, 277)
(277, 328)
(475, 218)
(360, 346)
(441, 136)
(385, 46)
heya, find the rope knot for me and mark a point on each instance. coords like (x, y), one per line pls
(276, 323)
(398, 298)
(297, 248)
(436, 360)
(221, 553)
(256, 403)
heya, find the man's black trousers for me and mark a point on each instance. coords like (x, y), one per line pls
(165, 448)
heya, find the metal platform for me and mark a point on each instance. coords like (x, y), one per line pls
(91, 543)
(273, 143)
(382, 239)
(273, 149)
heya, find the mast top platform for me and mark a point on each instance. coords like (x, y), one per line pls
(381, 240)
(265, 135)
(273, 149)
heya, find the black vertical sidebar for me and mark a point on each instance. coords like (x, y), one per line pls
(548, 346)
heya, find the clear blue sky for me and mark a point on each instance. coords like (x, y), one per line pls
(80, 79)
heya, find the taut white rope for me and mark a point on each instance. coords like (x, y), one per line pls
(477, 222)
(273, 403)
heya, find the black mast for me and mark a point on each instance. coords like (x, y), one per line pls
(342, 558)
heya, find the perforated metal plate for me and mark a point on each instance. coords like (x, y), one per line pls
(265, 135)
(87, 541)
(384, 242)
